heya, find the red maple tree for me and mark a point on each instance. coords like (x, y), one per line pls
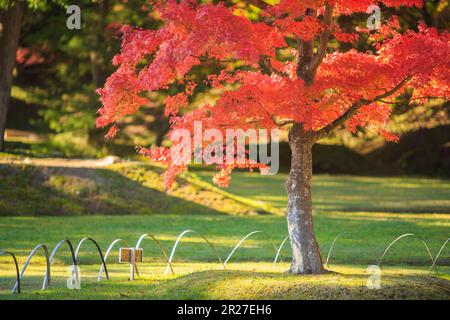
(277, 72)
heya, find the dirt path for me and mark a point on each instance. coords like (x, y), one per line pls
(61, 162)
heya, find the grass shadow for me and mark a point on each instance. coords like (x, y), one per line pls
(32, 191)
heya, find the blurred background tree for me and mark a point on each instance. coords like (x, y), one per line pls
(59, 70)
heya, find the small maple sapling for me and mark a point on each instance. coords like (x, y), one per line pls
(287, 76)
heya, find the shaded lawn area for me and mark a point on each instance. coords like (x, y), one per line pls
(130, 188)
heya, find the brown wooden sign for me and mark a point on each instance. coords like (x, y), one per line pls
(125, 255)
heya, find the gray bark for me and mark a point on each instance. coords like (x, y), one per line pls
(306, 257)
(11, 21)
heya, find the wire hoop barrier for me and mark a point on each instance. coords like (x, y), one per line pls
(72, 254)
(172, 254)
(242, 241)
(108, 251)
(402, 237)
(438, 254)
(279, 251)
(99, 253)
(163, 251)
(4, 253)
(18, 286)
(340, 236)
(25, 266)
(332, 245)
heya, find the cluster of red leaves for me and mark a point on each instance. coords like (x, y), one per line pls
(421, 56)
(152, 60)
(344, 36)
(290, 20)
(189, 33)
(346, 7)
(223, 177)
(306, 29)
(28, 57)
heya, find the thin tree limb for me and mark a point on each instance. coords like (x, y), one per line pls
(416, 98)
(325, 36)
(325, 131)
(282, 123)
(259, 3)
(305, 56)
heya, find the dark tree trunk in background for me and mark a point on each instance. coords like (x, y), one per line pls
(11, 21)
(161, 132)
(305, 250)
(96, 57)
(97, 54)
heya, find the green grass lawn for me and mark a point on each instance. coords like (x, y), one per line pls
(350, 193)
(375, 210)
(199, 275)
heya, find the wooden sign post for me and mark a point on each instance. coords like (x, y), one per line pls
(131, 256)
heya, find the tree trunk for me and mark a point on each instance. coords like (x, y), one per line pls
(97, 53)
(11, 21)
(163, 128)
(96, 56)
(306, 257)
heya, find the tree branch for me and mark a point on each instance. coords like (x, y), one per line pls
(283, 123)
(305, 56)
(266, 66)
(213, 60)
(325, 131)
(259, 3)
(325, 36)
(416, 98)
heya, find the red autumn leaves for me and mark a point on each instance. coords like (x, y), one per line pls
(265, 91)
